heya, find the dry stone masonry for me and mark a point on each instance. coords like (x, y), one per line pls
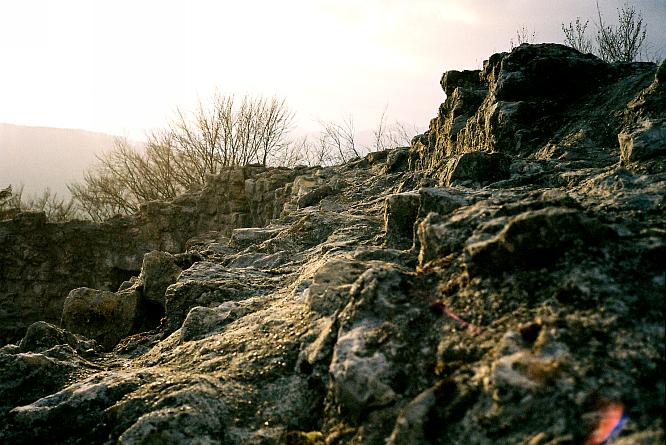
(500, 281)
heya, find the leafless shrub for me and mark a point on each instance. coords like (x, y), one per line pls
(337, 142)
(622, 43)
(223, 132)
(121, 180)
(523, 35)
(231, 132)
(56, 209)
(575, 36)
(387, 136)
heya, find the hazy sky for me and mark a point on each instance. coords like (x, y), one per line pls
(122, 66)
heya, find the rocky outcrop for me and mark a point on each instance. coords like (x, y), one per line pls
(520, 301)
(542, 102)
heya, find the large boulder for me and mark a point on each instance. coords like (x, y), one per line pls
(314, 196)
(533, 98)
(104, 316)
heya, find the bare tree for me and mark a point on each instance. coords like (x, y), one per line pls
(222, 132)
(56, 209)
(231, 132)
(275, 121)
(387, 136)
(624, 42)
(575, 36)
(621, 43)
(337, 141)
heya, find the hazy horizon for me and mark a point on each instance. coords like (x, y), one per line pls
(37, 158)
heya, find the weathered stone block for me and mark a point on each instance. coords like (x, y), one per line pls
(104, 316)
(158, 272)
(400, 213)
(244, 237)
(314, 196)
(440, 200)
(360, 379)
(465, 79)
(477, 166)
(533, 239)
(42, 336)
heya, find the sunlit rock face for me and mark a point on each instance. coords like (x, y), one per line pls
(500, 281)
(542, 102)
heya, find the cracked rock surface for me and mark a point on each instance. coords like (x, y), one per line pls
(501, 281)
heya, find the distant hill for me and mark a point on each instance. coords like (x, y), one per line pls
(40, 157)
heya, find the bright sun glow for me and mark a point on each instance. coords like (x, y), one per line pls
(123, 66)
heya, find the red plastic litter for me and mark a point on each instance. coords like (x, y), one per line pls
(440, 307)
(611, 420)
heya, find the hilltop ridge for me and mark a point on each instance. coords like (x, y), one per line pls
(499, 281)
(43, 157)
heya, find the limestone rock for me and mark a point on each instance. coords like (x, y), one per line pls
(158, 272)
(103, 256)
(28, 376)
(440, 200)
(244, 237)
(203, 321)
(460, 79)
(208, 284)
(42, 336)
(478, 167)
(104, 316)
(531, 239)
(314, 196)
(397, 160)
(645, 142)
(536, 298)
(400, 215)
(331, 283)
(410, 426)
(360, 380)
(443, 235)
(529, 99)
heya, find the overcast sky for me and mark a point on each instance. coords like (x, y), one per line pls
(122, 66)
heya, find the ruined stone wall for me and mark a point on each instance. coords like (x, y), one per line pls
(41, 261)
